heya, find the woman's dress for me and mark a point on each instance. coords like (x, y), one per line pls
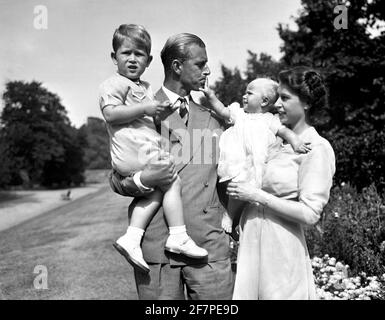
(273, 260)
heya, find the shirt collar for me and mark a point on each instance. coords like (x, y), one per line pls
(173, 97)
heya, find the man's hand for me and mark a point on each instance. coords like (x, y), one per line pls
(159, 172)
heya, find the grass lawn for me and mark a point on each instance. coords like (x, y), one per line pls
(74, 243)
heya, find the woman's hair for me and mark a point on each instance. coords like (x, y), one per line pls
(136, 33)
(307, 84)
(177, 47)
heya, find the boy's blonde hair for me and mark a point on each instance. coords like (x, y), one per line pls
(269, 88)
(136, 33)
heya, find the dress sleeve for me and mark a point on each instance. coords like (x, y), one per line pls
(112, 93)
(235, 112)
(315, 176)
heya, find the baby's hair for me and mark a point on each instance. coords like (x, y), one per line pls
(269, 89)
(307, 84)
(176, 47)
(136, 33)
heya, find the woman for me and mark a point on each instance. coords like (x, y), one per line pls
(273, 260)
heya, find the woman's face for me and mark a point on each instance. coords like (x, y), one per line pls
(290, 108)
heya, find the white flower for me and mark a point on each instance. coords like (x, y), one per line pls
(339, 266)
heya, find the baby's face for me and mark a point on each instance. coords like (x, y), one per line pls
(131, 60)
(252, 99)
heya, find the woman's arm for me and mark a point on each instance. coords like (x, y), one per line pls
(288, 209)
(315, 176)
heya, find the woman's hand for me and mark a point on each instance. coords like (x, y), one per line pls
(244, 191)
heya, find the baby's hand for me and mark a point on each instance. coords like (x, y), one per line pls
(302, 147)
(207, 91)
(155, 108)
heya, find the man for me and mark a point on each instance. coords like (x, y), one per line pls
(190, 131)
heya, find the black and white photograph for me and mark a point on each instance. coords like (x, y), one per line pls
(199, 150)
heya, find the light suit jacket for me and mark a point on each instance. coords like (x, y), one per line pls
(195, 150)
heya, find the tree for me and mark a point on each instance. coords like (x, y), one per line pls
(232, 86)
(6, 163)
(352, 61)
(38, 137)
(97, 152)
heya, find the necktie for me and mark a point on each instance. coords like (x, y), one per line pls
(183, 112)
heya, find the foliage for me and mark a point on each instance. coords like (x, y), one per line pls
(37, 137)
(353, 65)
(97, 153)
(353, 229)
(232, 86)
(6, 163)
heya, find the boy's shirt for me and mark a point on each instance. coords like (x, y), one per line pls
(127, 139)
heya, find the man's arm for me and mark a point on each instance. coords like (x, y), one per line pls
(160, 173)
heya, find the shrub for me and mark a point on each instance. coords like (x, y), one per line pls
(352, 229)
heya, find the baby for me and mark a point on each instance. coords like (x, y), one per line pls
(244, 146)
(128, 106)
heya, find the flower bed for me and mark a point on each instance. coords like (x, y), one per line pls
(333, 282)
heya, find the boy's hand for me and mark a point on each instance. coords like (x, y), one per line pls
(303, 147)
(166, 111)
(155, 108)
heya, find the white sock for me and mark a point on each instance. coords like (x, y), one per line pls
(179, 233)
(135, 234)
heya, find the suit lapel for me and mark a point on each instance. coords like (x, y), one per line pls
(199, 119)
(174, 123)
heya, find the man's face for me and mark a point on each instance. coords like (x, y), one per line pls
(194, 70)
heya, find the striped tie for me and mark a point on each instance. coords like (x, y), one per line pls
(183, 112)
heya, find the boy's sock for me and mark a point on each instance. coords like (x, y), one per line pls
(178, 233)
(134, 235)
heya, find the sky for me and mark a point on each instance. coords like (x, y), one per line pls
(71, 57)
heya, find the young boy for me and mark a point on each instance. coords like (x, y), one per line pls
(244, 146)
(128, 106)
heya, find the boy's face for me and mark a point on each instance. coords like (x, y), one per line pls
(253, 98)
(131, 60)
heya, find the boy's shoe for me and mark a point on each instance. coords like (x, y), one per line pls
(187, 247)
(133, 255)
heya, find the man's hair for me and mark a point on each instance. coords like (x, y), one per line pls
(177, 47)
(136, 33)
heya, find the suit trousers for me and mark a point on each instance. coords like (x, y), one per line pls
(209, 281)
